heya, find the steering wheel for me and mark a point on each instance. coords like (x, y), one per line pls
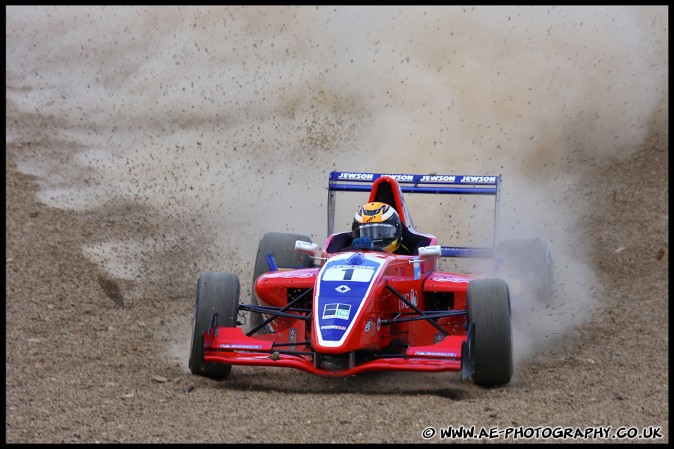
(372, 248)
(363, 244)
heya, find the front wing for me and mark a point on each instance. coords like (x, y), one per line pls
(229, 345)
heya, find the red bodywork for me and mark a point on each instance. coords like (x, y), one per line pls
(380, 331)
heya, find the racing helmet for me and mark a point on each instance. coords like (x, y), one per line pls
(380, 223)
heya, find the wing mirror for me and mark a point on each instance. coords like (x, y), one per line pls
(430, 251)
(311, 249)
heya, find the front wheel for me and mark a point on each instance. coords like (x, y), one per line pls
(217, 293)
(489, 313)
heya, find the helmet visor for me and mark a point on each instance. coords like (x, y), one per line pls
(378, 231)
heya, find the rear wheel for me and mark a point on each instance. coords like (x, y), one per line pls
(530, 262)
(216, 293)
(489, 313)
(282, 246)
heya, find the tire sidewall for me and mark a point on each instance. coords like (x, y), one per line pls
(489, 311)
(216, 293)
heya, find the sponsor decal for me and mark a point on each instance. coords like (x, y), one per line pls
(435, 178)
(402, 178)
(417, 271)
(292, 275)
(363, 176)
(438, 354)
(354, 273)
(343, 288)
(450, 279)
(337, 310)
(368, 326)
(235, 346)
(411, 297)
(334, 326)
(479, 179)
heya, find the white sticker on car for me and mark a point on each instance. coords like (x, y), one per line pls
(348, 273)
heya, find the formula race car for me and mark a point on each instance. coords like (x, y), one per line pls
(350, 307)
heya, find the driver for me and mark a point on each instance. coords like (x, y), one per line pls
(380, 223)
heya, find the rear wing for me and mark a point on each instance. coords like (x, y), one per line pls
(431, 184)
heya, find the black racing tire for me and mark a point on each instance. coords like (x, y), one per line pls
(282, 246)
(529, 260)
(216, 293)
(489, 312)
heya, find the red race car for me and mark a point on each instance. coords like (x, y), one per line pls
(354, 306)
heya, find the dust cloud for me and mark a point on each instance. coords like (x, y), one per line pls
(228, 120)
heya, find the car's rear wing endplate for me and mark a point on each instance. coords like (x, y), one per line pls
(415, 183)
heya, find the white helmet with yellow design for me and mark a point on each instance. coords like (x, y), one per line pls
(380, 223)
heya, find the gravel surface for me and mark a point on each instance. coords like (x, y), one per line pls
(97, 351)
